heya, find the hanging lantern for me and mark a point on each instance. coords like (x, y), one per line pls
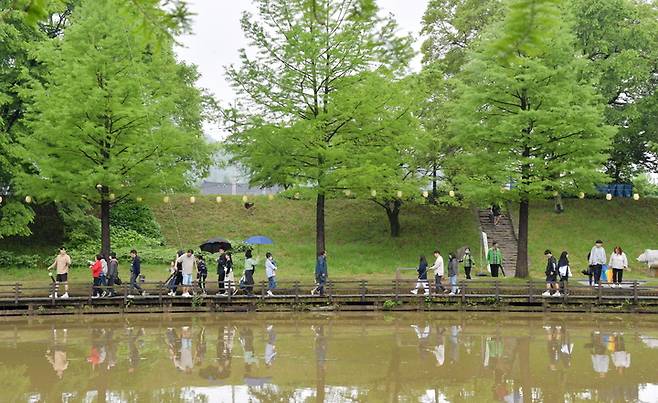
(245, 199)
(581, 195)
(608, 196)
(270, 197)
(555, 194)
(347, 192)
(165, 199)
(636, 196)
(451, 193)
(112, 196)
(218, 199)
(28, 199)
(139, 199)
(192, 199)
(399, 194)
(0, 199)
(373, 193)
(426, 194)
(99, 186)
(297, 196)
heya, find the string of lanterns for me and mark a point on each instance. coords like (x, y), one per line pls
(347, 193)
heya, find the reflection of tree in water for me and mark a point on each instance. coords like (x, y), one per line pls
(14, 383)
(175, 395)
(272, 394)
(320, 361)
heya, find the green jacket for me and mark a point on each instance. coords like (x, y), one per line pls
(494, 256)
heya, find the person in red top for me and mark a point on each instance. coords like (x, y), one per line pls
(96, 269)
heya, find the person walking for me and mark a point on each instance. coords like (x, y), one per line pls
(202, 273)
(551, 275)
(270, 272)
(321, 273)
(597, 259)
(221, 271)
(135, 270)
(103, 277)
(422, 276)
(468, 261)
(229, 276)
(188, 263)
(438, 271)
(96, 267)
(453, 269)
(249, 267)
(564, 270)
(618, 263)
(495, 259)
(112, 274)
(61, 265)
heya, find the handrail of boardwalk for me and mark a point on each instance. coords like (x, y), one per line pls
(339, 290)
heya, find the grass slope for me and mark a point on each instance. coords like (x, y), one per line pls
(631, 224)
(358, 240)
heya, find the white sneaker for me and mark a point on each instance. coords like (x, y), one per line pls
(171, 293)
(186, 294)
(51, 295)
(426, 293)
(65, 295)
(452, 294)
(313, 291)
(546, 294)
(131, 296)
(269, 293)
(414, 291)
(557, 294)
(95, 296)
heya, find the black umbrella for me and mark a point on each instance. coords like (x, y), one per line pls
(213, 245)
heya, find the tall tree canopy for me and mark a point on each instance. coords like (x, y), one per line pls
(118, 116)
(619, 37)
(307, 110)
(526, 113)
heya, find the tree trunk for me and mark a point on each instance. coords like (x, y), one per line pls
(559, 206)
(105, 227)
(319, 224)
(435, 192)
(393, 214)
(522, 245)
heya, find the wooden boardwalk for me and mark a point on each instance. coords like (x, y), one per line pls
(17, 299)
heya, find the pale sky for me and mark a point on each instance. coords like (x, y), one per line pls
(217, 37)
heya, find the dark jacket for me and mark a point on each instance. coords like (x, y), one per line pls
(321, 267)
(136, 265)
(221, 264)
(113, 269)
(422, 271)
(551, 267)
(202, 269)
(453, 265)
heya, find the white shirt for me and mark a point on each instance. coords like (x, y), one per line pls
(621, 359)
(618, 261)
(270, 268)
(597, 255)
(438, 266)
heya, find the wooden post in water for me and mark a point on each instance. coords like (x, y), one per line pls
(635, 297)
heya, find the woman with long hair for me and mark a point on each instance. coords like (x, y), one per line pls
(422, 276)
(618, 262)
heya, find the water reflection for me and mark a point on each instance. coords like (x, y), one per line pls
(346, 357)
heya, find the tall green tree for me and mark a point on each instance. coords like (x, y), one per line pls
(305, 111)
(619, 37)
(118, 116)
(526, 114)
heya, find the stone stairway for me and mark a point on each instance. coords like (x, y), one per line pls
(503, 233)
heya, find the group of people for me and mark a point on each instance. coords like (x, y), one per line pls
(186, 264)
(439, 272)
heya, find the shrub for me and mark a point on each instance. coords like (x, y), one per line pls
(11, 259)
(135, 216)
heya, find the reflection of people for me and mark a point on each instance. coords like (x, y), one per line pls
(553, 347)
(247, 342)
(621, 358)
(57, 356)
(185, 363)
(270, 348)
(600, 360)
(133, 351)
(453, 339)
(439, 350)
(320, 361)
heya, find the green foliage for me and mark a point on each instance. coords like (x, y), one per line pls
(644, 187)
(14, 219)
(135, 216)
(80, 226)
(11, 259)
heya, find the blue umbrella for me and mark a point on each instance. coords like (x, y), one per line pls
(258, 240)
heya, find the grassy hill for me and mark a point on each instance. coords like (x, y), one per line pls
(358, 240)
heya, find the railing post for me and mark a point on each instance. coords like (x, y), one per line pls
(397, 287)
(229, 289)
(530, 291)
(262, 289)
(330, 290)
(160, 288)
(53, 288)
(599, 291)
(17, 291)
(296, 286)
(363, 290)
(497, 285)
(462, 290)
(635, 296)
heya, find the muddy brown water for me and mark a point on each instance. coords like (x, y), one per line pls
(339, 357)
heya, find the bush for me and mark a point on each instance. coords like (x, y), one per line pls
(138, 217)
(11, 259)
